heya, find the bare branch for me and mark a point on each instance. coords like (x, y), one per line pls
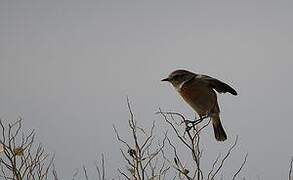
(85, 172)
(290, 170)
(213, 166)
(241, 167)
(119, 139)
(175, 130)
(21, 157)
(225, 158)
(123, 174)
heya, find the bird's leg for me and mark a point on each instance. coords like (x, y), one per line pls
(186, 121)
(201, 118)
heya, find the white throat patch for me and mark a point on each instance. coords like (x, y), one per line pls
(182, 84)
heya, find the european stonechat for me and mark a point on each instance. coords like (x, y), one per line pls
(199, 92)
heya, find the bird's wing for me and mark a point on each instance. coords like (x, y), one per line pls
(216, 84)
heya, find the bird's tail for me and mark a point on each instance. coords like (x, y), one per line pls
(219, 131)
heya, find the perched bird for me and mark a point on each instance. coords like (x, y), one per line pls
(199, 92)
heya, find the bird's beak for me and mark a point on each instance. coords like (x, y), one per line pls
(166, 79)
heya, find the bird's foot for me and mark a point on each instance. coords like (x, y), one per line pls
(191, 124)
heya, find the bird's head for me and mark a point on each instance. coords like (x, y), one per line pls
(179, 77)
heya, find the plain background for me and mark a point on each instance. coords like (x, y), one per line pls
(66, 67)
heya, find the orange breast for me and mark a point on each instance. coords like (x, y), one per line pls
(201, 98)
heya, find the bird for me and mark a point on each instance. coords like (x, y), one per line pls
(198, 90)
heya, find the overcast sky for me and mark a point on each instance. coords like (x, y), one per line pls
(66, 67)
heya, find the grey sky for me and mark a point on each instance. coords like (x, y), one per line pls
(67, 67)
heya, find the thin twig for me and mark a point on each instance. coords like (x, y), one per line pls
(241, 167)
(290, 170)
(225, 158)
(85, 172)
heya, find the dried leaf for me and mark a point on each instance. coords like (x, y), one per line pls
(18, 151)
(1, 148)
(185, 171)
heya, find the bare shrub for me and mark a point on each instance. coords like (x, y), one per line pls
(143, 157)
(146, 156)
(21, 158)
(188, 132)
